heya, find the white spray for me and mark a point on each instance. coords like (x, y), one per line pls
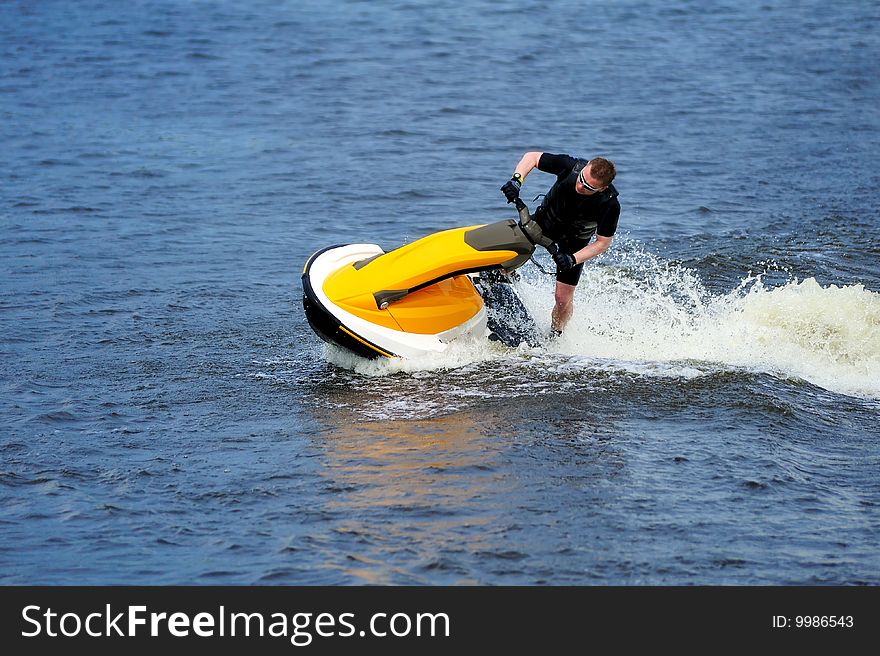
(639, 313)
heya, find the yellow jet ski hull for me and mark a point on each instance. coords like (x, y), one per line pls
(410, 301)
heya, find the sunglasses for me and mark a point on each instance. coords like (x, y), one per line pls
(587, 184)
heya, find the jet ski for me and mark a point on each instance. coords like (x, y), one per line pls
(417, 299)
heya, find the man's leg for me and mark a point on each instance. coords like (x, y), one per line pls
(564, 306)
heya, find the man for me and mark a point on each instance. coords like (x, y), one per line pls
(582, 202)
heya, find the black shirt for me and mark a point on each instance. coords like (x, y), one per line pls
(566, 215)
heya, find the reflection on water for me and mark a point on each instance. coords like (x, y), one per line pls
(446, 499)
(416, 490)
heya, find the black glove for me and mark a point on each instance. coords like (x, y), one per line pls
(564, 261)
(511, 187)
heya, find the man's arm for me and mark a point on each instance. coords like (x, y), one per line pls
(528, 162)
(588, 252)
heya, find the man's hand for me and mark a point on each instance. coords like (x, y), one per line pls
(511, 187)
(564, 261)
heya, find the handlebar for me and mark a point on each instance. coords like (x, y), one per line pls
(529, 226)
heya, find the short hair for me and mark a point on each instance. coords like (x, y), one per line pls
(602, 169)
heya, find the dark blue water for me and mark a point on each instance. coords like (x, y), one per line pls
(167, 416)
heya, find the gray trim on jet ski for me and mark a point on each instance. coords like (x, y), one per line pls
(360, 264)
(502, 235)
(387, 296)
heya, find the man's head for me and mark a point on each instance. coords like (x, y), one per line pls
(595, 176)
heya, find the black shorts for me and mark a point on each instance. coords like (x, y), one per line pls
(572, 275)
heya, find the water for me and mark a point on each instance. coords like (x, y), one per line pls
(710, 415)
